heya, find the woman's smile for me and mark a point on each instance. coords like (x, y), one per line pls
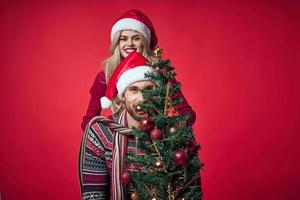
(130, 50)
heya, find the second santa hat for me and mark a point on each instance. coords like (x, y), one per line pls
(132, 69)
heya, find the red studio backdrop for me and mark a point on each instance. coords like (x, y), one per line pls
(238, 63)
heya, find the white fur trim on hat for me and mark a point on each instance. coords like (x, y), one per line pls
(105, 102)
(132, 24)
(130, 76)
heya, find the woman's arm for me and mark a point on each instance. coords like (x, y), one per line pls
(97, 91)
(184, 108)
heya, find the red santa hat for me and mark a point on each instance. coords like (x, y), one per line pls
(137, 21)
(131, 69)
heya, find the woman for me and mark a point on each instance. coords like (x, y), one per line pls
(133, 31)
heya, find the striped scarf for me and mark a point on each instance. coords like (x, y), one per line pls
(118, 126)
(119, 152)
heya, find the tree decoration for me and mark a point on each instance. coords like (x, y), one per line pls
(172, 130)
(172, 112)
(139, 110)
(134, 196)
(169, 164)
(147, 124)
(180, 157)
(126, 179)
(157, 52)
(159, 164)
(156, 134)
(191, 146)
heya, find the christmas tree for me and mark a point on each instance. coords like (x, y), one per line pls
(169, 163)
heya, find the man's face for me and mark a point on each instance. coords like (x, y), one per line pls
(133, 96)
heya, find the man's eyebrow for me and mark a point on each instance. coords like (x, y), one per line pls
(132, 87)
(149, 87)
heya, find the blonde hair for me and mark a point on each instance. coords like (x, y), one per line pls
(111, 63)
(117, 104)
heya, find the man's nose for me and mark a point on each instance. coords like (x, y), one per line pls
(140, 97)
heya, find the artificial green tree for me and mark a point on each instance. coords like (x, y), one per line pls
(169, 166)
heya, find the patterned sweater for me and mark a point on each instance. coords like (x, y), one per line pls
(95, 163)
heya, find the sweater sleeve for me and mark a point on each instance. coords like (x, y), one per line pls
(93, 170)
(97, 91)
(184, 108)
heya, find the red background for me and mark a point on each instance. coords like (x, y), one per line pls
(238, 64)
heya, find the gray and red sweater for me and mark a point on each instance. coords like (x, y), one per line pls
(96, 160)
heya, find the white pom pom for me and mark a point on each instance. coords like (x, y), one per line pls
(105, 102)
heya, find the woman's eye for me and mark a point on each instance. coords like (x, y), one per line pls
(136, 39)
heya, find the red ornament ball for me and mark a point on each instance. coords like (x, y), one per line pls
(156, 134)
(191, 146)
(126, 179)
(147, 124)
(180, 157)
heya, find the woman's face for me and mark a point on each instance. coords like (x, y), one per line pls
(129, 42)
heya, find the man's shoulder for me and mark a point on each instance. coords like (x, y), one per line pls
(99, 127)
(99, 133)
(99, 124)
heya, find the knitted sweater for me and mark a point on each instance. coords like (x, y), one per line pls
(96, 158)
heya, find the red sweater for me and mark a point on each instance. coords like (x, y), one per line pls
(98, 90)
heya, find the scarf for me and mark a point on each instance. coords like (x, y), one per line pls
(119, 127)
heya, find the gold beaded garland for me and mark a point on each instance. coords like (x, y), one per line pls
(159, 163)
(172, 130)
(139, 110)
(134, 196)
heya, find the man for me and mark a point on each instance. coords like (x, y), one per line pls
(105, 144)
